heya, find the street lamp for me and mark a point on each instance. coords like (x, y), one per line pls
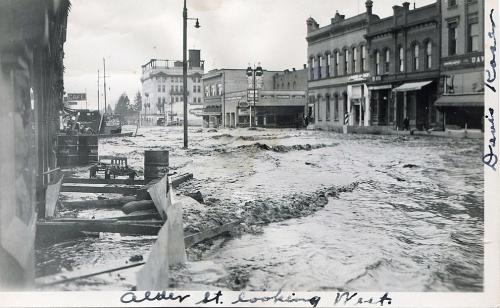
(184, 69)
(253, 73)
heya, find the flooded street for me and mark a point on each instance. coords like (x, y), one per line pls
(319, 211)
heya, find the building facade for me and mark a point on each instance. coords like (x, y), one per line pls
(404, 56)
(162, 88)
(229, 98)
(462, 63)
(339, 71)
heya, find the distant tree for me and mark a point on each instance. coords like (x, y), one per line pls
(123, 105)
(137, 102)
(109, 109)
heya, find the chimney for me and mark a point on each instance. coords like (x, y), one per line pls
(369, 7)
(311, 24)
(406, 5)
(305, 66)
(293, 69)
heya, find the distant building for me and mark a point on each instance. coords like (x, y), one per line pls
(228, 98)
(462, 63)
(404, 57)
(338, 71)
(162, 89)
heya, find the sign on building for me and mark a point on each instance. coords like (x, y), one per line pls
(76, 97)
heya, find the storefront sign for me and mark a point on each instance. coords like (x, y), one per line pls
(76, 97)
(243, 111)
(282, 96)
(358, 77)
(465, 60)
(243, 104)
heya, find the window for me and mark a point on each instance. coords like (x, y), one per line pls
(387, 61)
(288, 85)
(312, 68)
(346, 61)
(363, 58)
(163, 88)
(176, 88)
(177, 98)
(415, 57)
(336, 107)
(452, 38)
(354, 60)
(194, 88)
(171, 88)
(159, 88)
(207, 91)
(319, 109)
(328, 108)
(377, 63)
(294, 84)
(319, 66)
(327, 66)
(219, 89)
(473, 37)
(452, 3)
(199, 89)
(428, 54)
(337, 61)
(401, 59)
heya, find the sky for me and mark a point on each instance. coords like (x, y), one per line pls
(233, 33)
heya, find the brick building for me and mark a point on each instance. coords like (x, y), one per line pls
(338, 71)
(404, 57)
(162, 89)
(228, 98)
(462, 63)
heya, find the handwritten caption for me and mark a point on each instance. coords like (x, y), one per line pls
(490, 158)
(338, 298)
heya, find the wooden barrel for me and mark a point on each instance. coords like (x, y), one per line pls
(155, 164)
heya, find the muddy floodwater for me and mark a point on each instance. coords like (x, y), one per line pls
(319, 211)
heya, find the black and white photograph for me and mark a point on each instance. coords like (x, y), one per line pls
(252, 152)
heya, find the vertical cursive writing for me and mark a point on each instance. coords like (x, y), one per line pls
(490, 158)
(492, 75)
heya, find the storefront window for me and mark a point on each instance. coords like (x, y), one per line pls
(467, 83)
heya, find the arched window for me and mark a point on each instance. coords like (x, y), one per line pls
(354, 58)
(415, 57)
(428, 54)
(320, 63)
(401, 59)
(363, 58)
(377, 63)
(288, 85)
(312, 69)
(337, 61)
(327, 65)
(294, 84)
(387, 60)
(346, 62)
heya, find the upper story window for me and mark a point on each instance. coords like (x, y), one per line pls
(428, 55)
(346, 62)
(387, 60)
(288, 85)
(294, 84)
(401, 59)
(452, 3)
(452, 38)
(337, 61)
(327, 65)
(377, 63)
(312, 68)
(320, 60)
(219, 89)
(354, 59)
(415, 57)
(363, 58)
(473, 39)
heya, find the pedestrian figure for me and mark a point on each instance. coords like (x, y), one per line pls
(406, 124)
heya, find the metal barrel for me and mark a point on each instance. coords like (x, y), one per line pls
(155, 164)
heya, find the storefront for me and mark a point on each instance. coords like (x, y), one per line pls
(381, 105)
(413, 103)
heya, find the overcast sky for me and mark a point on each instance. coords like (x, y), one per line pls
(233, 33)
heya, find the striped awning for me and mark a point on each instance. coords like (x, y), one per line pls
(411, 86)
(464, 100)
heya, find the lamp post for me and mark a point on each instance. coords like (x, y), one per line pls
(254, 73)
(184, 69)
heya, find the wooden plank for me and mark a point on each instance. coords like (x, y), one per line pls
(103, 181)
(104, 203)
(104, 189)
(193, 239)
(51, 197)
(141, 215)
(178, 180)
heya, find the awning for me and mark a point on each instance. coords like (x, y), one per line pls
(382, 87)
(464, 100)
(411, 86)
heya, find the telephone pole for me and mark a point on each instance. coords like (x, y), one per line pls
(105, 103)
(98, 107)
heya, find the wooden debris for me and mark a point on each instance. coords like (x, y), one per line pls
(105, 203)
(103, 181)
(51, 197)
(101, 189)
(140, 205)
(141, 215)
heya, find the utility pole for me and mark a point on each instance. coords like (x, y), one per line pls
(98, 107)
(184, 73)
(105, 103)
